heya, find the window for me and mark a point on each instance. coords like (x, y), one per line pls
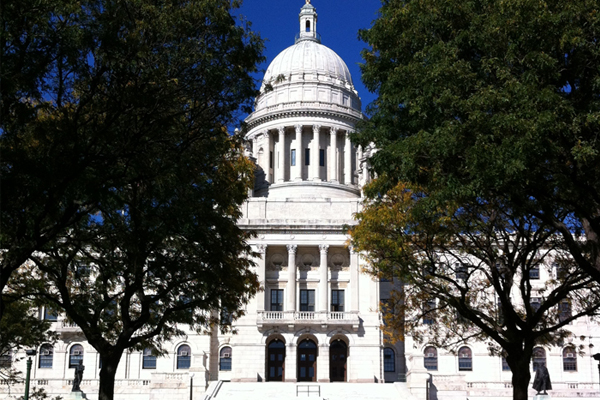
(428, 317)
(569, 359)
(337, 300)
(505, 366)
(535, 303)
(293, 157)
(430, 360)
(225, 359)
(561, 271)
(500, 312)
(539, 357)
(6, 360)
(307, 26)
(462, 271)
(564, 310)
(46, 356)
(149, 359)
(306, 156)
(184, 357)
(50, 314)
(465, 359)
(307, 300)
(534, 272)
(321, 157)
(226, 317)
(276, 299)
(389, 360)
(75, 355)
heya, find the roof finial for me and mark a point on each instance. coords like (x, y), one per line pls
(307, 1)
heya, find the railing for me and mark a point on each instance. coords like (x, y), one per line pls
(308, 317)
(308, 390)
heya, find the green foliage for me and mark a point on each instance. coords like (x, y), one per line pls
(492, 98)
(121, 183)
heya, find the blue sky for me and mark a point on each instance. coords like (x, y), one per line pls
(338, 24)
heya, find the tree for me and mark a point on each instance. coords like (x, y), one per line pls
(478, 265)
(492, 99)
(121, 183)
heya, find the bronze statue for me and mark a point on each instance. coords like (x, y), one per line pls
(78, 377)
(541, 382)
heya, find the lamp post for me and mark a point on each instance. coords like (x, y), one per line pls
(30, 353)
(597, 358)
(191, 386)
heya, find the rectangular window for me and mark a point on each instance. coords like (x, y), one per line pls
(293, 157)
(534, 272)
(428, 317)
(276, 299)
(337, 300)
(505, 366)
(50, 314)
(307, 300)
(535, 304)
(306, 156)
(321, 157)
(564, 310)
(270, 159)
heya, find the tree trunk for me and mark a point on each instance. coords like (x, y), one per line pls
(520, 376)
(110, 362)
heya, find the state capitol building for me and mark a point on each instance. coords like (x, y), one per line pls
(318, 318)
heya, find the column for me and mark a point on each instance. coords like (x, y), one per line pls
(354, 277)
(267, 157)
(314, 155)
(323, 287)
(291, 284)
(333, 164)
(348, 160)
(281, 153)
(297, 169)
(323, 362)
(262, 299)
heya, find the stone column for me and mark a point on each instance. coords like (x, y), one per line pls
(297, 169)
(291, 284)
(314, 155)
(323, 363)
(290, 360)
(354, 277)
(333, 163)
(266, 163)
(348, 160)
(282, 164)
(323, 287)
(261, 298)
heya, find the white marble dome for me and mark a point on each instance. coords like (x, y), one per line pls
(309, 56)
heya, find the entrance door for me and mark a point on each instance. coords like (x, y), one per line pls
(338, 354)
(276, 361)
(307, 361)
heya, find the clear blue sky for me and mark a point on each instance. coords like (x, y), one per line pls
(338, 24)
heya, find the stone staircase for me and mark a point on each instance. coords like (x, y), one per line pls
(294, 391)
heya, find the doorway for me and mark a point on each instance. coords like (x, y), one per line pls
(307, 361)
(276, 361)
(338, 355)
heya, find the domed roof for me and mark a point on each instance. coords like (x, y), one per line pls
(308, 56)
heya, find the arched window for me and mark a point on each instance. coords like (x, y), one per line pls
(569, 359)
(6, 359)
(184, 357)
(225, 359)
(149, 359)
(75, 355)
(307, 26)
(539, 357)
(46, 356)
(389, 360)
(465, 359)
(430, 359)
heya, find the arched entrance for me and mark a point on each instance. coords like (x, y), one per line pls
(276, 361)
(338, 355)
(307, 361)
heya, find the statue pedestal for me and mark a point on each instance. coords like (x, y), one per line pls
(75, 396)
(541, 397)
